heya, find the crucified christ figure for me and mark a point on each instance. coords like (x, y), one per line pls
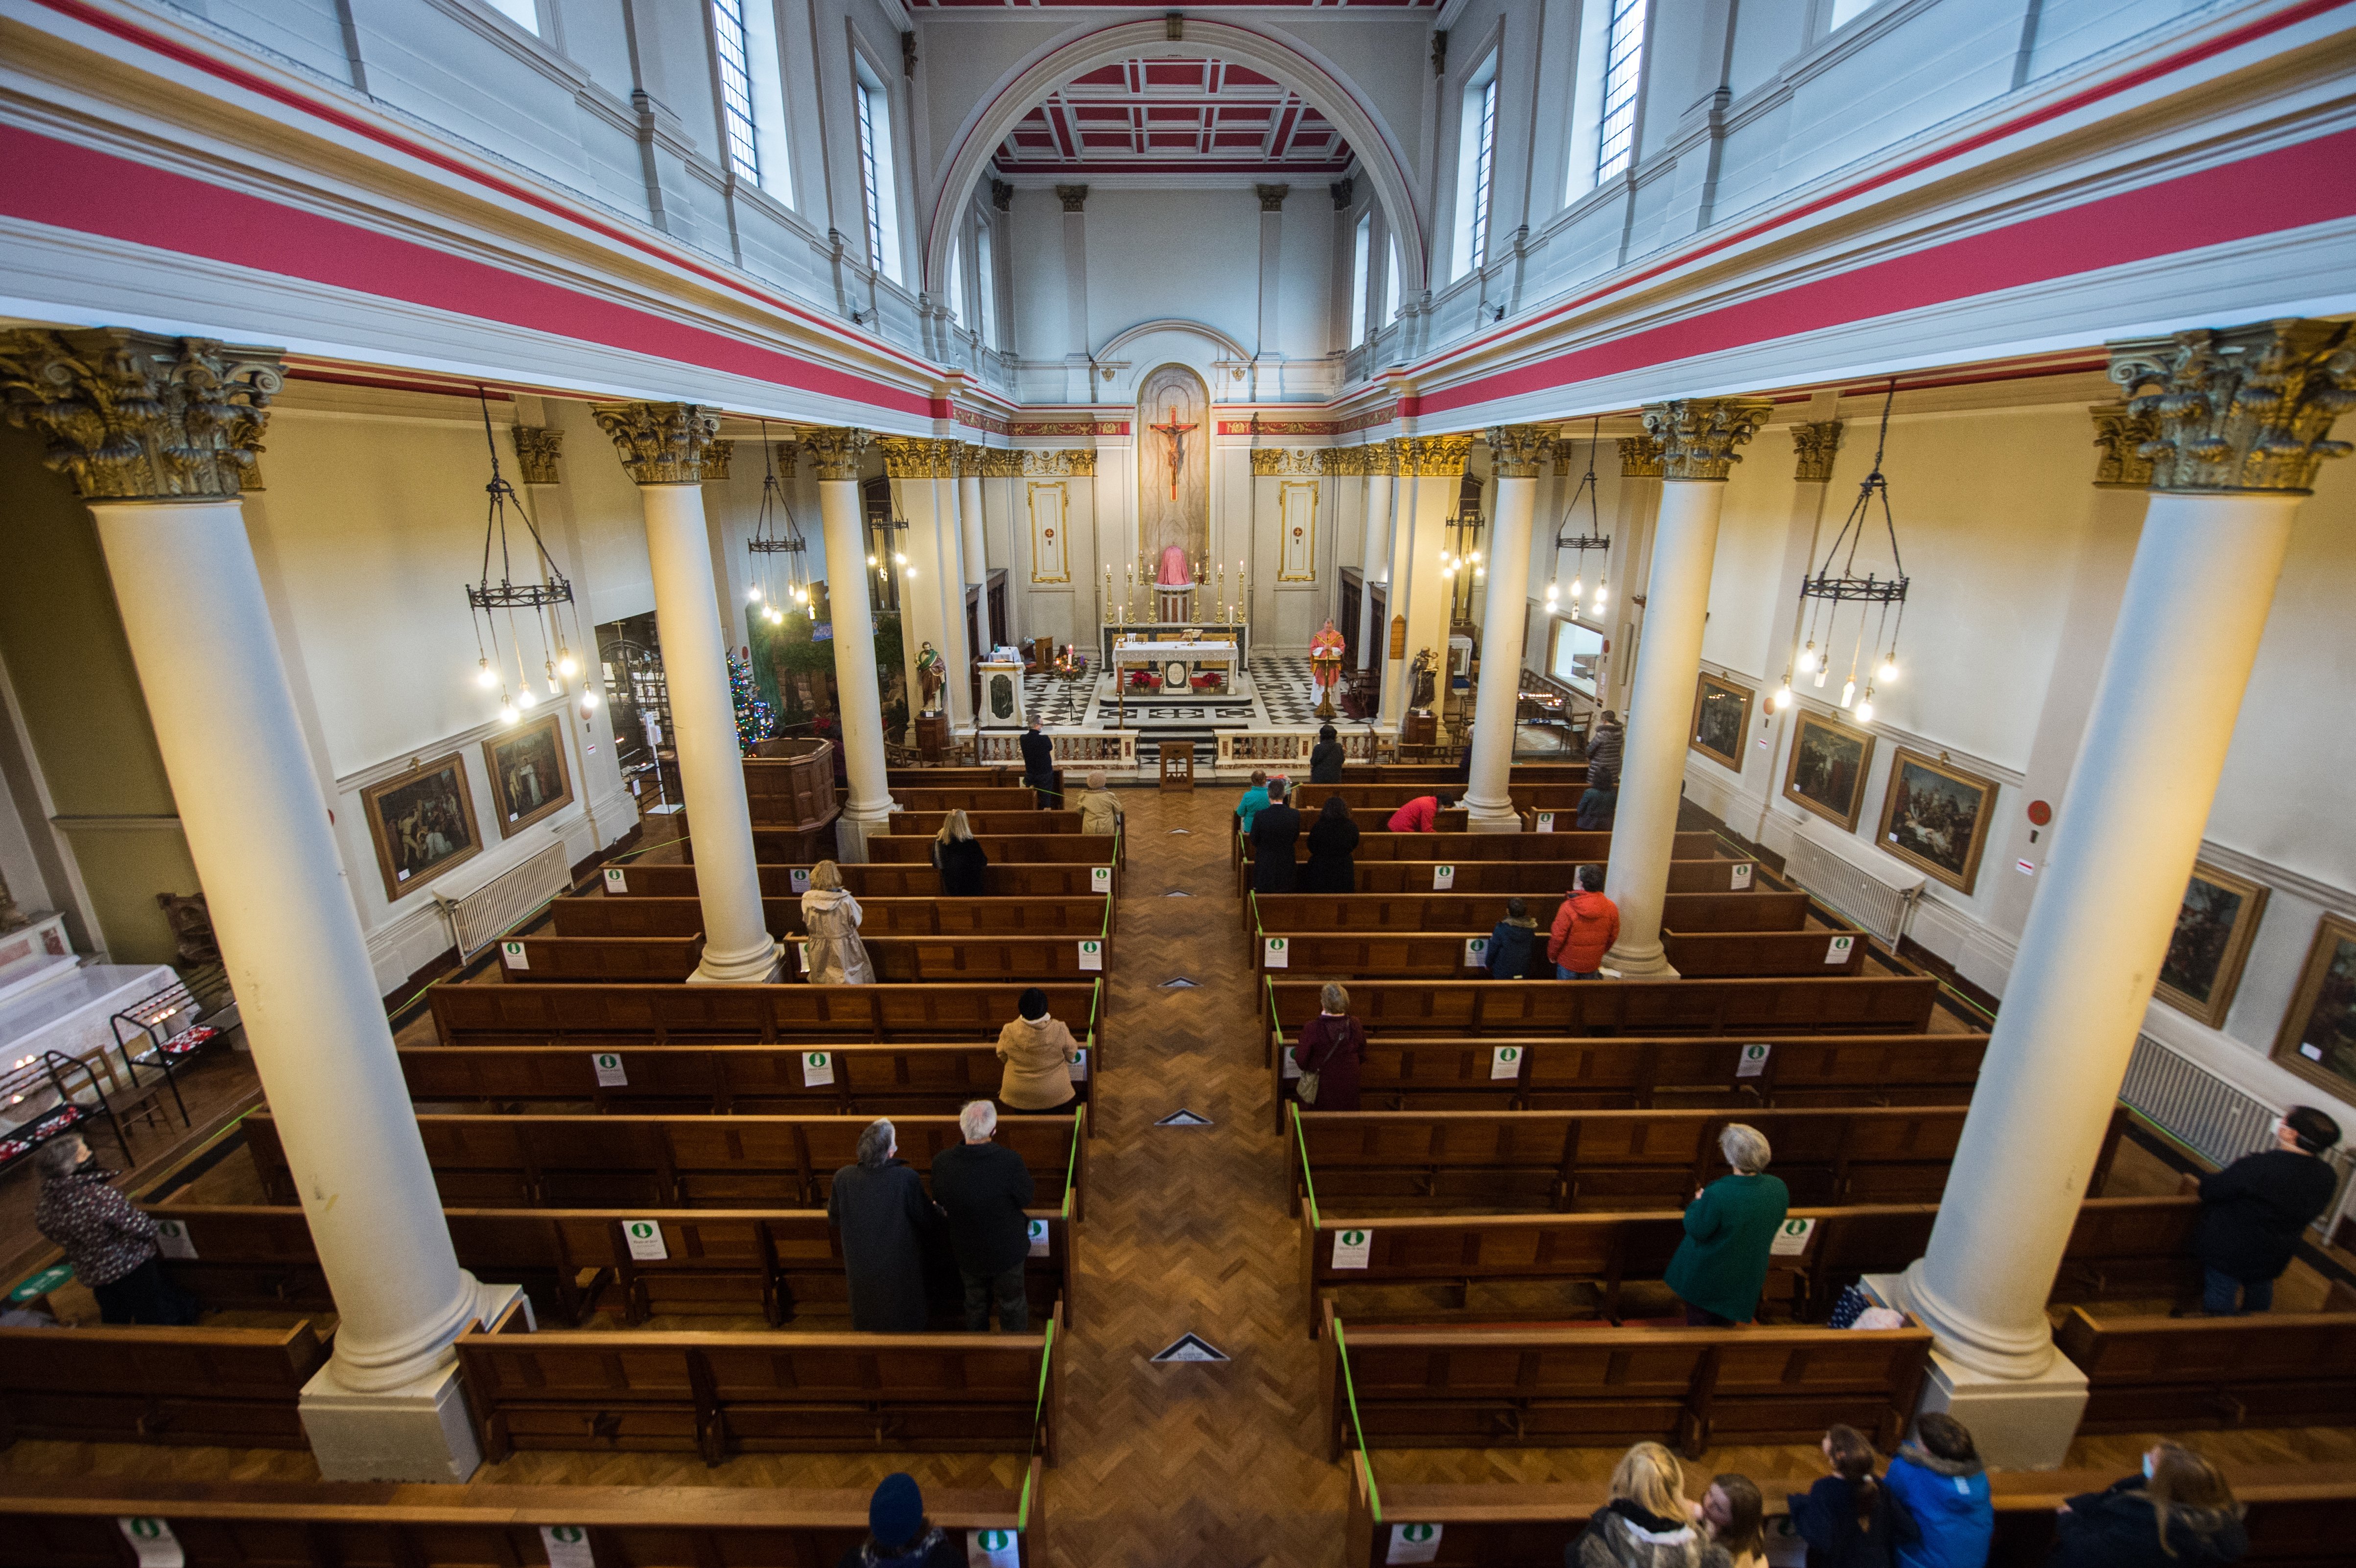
(1173, 435)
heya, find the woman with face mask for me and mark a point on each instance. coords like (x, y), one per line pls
(2179, 1513)
(110, 1242)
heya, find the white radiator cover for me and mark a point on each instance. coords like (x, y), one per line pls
(479, 918)
(1874, 890)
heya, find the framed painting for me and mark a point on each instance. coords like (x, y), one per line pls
(1722, 719)
(422, 823)
(2319, 1036)
(1825, 772)
(2214, 928)
(1936, 817)
(528, 776)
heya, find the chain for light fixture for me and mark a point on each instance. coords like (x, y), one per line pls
(769, 542)
(1822, 594)
(539, 597)
(1594, 539)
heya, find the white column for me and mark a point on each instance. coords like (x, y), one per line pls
(1636, 510)
(976, 551)
(2225, 486)
(1697, 441)
(1431, 472)
(932, 588)
(1488, 794)
(662, 448)
(1374, 559)
(835, 455)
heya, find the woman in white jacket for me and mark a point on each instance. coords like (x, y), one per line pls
(830, 915)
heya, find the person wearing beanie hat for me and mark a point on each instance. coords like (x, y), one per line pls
(2254, 1211)
(898, 1533)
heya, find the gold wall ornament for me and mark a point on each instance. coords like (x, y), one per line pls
(1063, 463)
(1517, 449)
(837, 453)
(915, 457)
(1433, 457)
(138, 416)
(1812, 446)
(1267, 459)
(659, 444)
(2240, 408)
(1075, 197)
(1340, 461)
(2120, 434)
(1699, 436)
(537, 453)
(716, 458)
(1272, 197)
(1640, 457)
(1382, 457)
(787, 456)
(1001, 462)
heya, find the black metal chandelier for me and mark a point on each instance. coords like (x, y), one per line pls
(538, 597)
(1593, 538)
(1823, 595)
(777, 547)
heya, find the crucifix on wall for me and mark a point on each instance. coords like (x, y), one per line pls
(1173, 437)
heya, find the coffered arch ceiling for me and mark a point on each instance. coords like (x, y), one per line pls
(1174, 117)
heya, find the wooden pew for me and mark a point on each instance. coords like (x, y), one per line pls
(774, 1261)
(1379, 800)
(683, 916)
(716, 1394)
(1549, 878)
(987, 775)
(232, 1388)
(1767, 1010)
(2271, 1368)
(1549, 1073)
(680, 1162)
(51, 1522)
(1291, 915)
(1431, 774)
(970, 956)
(2120, 1247)
(2295, 1516)
(1600, 1387)
(601, 1017)
(662, 878)
(1457, 849)
(899, 1079)
(1445, 955)
(915, 798)
(609, 960)
(1032, 848)
(1411, 1161)
(989, 824)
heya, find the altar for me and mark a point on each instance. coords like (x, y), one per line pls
(1232, 633)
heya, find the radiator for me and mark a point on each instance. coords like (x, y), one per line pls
(2209, 1115)
(479, 918)
(1878, 897)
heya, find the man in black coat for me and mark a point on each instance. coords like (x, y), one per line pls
(880, 1207)
(1274, 831)
(2254, 1211)
(984, 1188)
(1039, 767)
(1325, 757)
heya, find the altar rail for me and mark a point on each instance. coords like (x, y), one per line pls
(1075, 749)
(1290, 747)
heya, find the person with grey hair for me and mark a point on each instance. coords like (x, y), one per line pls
(108, 1239)
(1099, 811)
(1332, 1048)
(984, 1188)
(1721, 1265)
(880, 1207)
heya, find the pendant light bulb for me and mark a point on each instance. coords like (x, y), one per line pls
(899, 558)
(871, 560)
(753, 597)
(588, 698)
(1849, 692)
(1865, 709)
(1888, 671)
(1821, 673)
(568, 666)
(1554, 591)
(523, 697)
(507, 710)
(1600, 592)
(486, 677)
(1808, 657)
(1577, 589)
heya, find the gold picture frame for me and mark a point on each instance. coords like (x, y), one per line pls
(530, 778)
(421, 823)
(2324, 1006)
(1935, 817)
(1826, 769)
(2214, 928)
(1721, 711)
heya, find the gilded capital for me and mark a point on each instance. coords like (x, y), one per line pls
(2242, 408)
(2120, 436)
(1517, 449)
(1349, 460)
(136, 416)
(1272, 197)
(1265, 460)
(659, 444)
(716, 458)
(1075, 197)
(1432, 456)
(1640, 457)
(537, 451)
(1699, 436)
(915, 457)
(1065, 464)
(836, 453)
(787, 456)
(1812, 446)
(1382, 457)
(1001, 462)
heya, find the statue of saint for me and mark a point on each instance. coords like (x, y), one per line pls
(932, 674)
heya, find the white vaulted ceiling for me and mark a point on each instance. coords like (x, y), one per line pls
(1174, 116)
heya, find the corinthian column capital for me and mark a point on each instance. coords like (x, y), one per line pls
(913, 457)
(662, 443)
(716, 458)
(2120, 436)
(836, 453)
(135, 416)
(1640, 457)
(1699, 436)
(1812, 446)
(537, 453)
(1432, 456)
(2240, 408)
(1517, 449)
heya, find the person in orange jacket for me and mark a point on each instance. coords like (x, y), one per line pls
(1585, 927)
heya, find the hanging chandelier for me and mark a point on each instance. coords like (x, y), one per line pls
(1823, 595)
(539, 597)
(777, 552)
(889, 534)
(1592, 538)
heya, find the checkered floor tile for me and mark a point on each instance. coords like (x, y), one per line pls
(1283, 683)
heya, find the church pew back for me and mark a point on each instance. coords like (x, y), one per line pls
(987, 775)
(965, 956)
(1579, 1387)
(229, 1387)
(1012, 824)
(72, 1523)
(1456, 848)
(1038, 849)
(605, 1016)
(612, 960)
(683, 916)
(1286, 914)
(1620, 1072)
(1442, 775)
(721, 1394)
(918, 798)
(656, 879)
(1446, 955)
(1382, 799)
(679, 1162)
(1547, 879)
(2275, 1368)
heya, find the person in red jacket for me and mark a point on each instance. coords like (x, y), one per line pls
(1585, 927)
(1417, 816)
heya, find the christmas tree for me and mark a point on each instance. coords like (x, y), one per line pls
(755, 721)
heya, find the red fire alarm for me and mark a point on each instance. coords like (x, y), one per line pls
(2040, 813)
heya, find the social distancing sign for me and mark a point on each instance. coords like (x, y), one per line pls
(1038, 1238)
(1753, 1060)
(1476, 953)
(1414, 1544)
(512, 955)
(1837, 950)
(1792, 1238)
(797, 878)
(1442, 878)
(645, 1240)
(152, 1541)
(1742, 874)
(1099, 879)
(1545, 821)
(1505, 1061)
(172, 1240)
(818, 1067)
(1276, 952)
(615, 880)
(993, 1549)
(1353, 1248)
(1091, 954)
(608, 1068)
(567, 1546)
(1078, 1065)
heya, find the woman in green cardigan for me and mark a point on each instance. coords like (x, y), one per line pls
(1721, 1265)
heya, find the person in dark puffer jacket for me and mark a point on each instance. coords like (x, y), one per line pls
(898, 1533)
(1940, 1480)
(1603, 753)
(1512, 944)
(2179, 1513)
(1849, 1518)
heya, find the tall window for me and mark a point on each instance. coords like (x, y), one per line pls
(956, 277)
(875, 177)
(1476, 165)
(985, 280)
(525, 14)
(1623, 65)
(1848, 11)
(736, 89)
(1361, 253)
(1391, 288)
(764, 77)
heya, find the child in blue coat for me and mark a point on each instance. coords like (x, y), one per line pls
(1940, 1480)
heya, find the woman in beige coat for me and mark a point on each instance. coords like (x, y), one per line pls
(830, 915)
(1037, 1051)
(1100, 812)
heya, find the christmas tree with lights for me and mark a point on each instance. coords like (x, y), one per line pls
(755, 720)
